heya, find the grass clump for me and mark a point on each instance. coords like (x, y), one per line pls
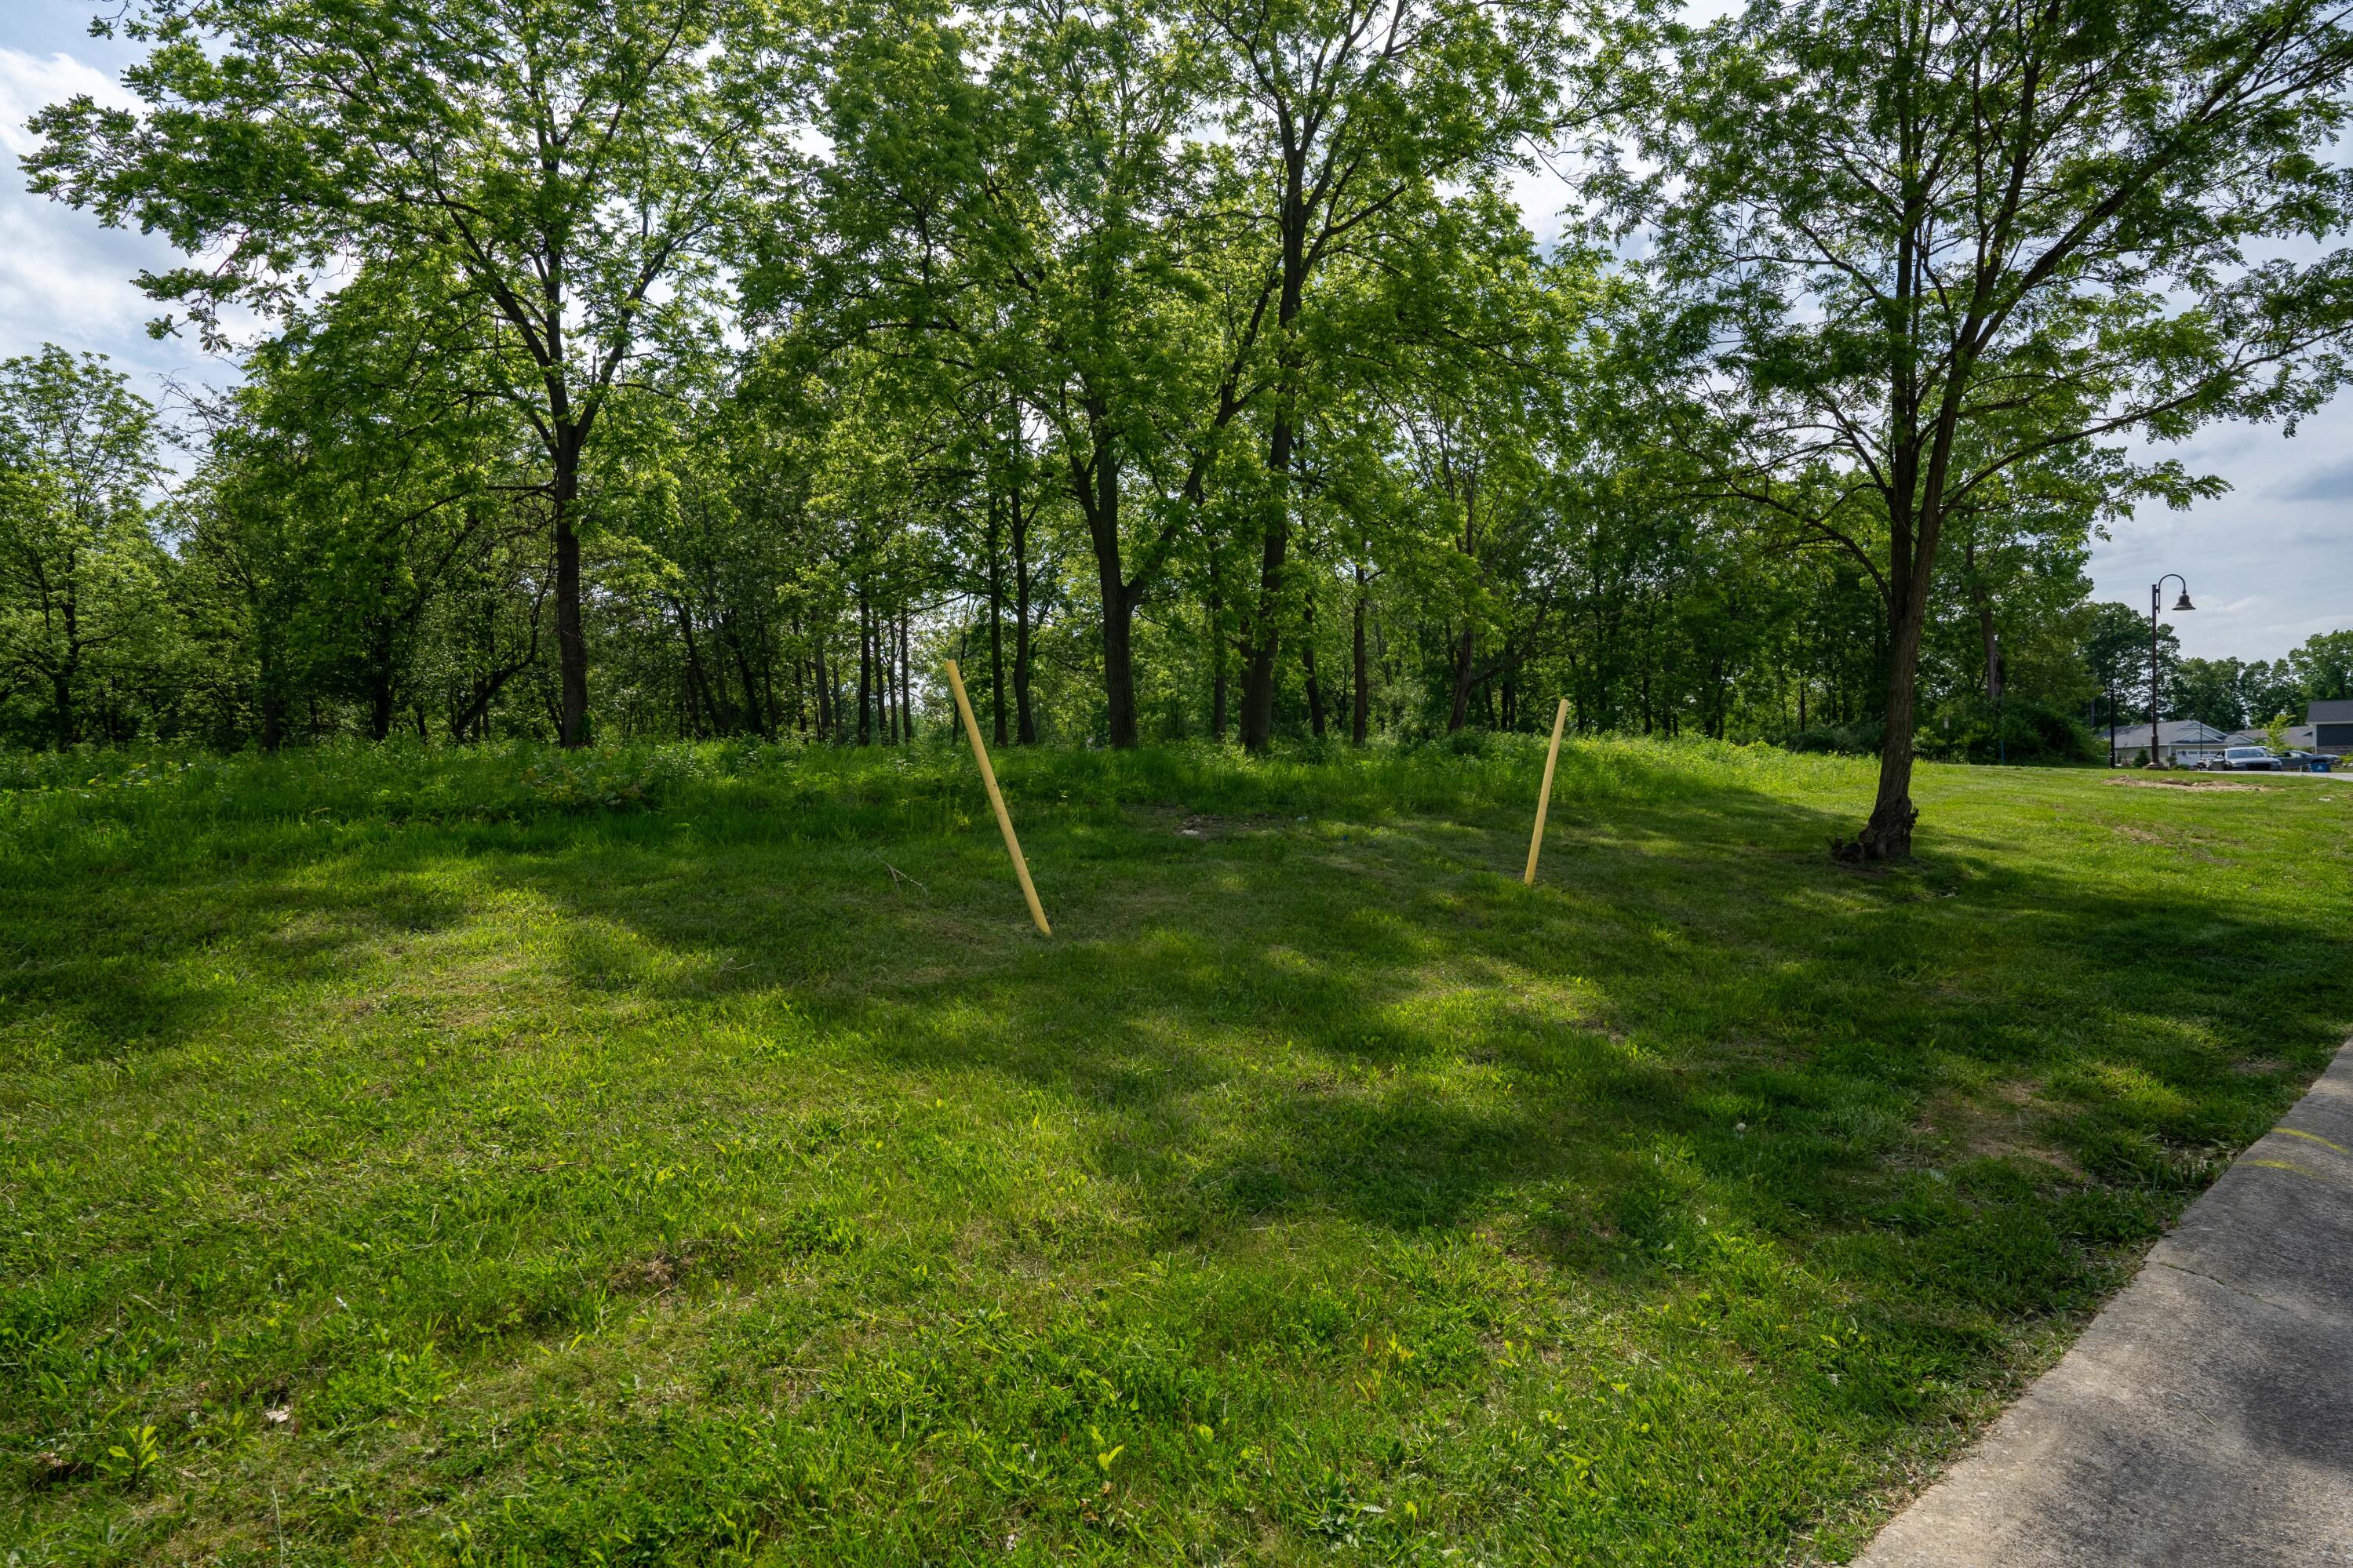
(688, 1154)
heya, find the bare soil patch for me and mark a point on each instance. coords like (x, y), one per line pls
(2190, 783)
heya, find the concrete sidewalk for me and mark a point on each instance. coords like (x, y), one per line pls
(2206, 1416)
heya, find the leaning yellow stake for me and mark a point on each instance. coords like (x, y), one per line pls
(1543, 795)
(996, 801)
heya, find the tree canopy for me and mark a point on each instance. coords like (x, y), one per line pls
(1944, 258)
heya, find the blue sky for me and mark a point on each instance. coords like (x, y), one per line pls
(2269, 564)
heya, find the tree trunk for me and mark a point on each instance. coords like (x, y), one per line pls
(1461, 707)
(701, 709)
(820, 687)
(1888, 835)
(771, 712)
(381, 658)
(865, 670)
(1916, 466)
(714, 694)
(1096, 485)
(1987, 634)
(845, 688)
(1025, 720)
(995, 628)
(476, 718)
(1218, 684)
(1360, 711)
(1257, 672)
(758, 714)
(1307, 667)
(888, 675)
(1259, 677)
(380, 703)
(906, 678)
(571, 638)
(61, 679)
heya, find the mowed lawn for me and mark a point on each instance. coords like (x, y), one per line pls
(693, 1156)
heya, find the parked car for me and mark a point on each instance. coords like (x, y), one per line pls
(2241, 759)
(2306, 762)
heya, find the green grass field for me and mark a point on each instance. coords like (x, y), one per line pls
(692, 1156)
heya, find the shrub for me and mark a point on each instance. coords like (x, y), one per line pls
(2021, 730)
(1861, 738)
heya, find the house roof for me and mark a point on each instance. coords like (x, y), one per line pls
(2295, 735)
(2172, 733)
(2337, 712)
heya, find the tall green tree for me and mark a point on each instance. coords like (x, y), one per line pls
(573, 162)
(1097, 232)
(2323, 667)
(1011, 201)
(1936, 243)
(2116, 650)
(81, 571)
(1345, 121)
(2208, 689)
(347, 481)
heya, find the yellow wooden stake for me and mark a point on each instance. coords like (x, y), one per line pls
(1543, 795)
(996, 801)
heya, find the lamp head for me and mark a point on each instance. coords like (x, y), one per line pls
(2183, 603)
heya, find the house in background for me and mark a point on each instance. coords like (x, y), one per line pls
(2297, 736)
(2181, 742)
(2332, 727)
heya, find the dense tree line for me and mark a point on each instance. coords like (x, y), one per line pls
(709, 367)
(2232, 694)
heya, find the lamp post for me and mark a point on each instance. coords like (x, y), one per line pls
(2157, 597)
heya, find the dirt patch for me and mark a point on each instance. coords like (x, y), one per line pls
(650, 1276)
(2188, 783)
(52, 1469)
(1171, 818)
(2006, 1131)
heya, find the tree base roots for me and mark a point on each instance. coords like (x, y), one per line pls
(1889, 839)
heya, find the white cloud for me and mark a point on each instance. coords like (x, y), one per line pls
(62, 278)
(65, 278)
(2271, 562)
(29, 83)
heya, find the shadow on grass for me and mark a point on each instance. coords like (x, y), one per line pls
(1951, 1092)
(1689, 968)
(1694, 971)
(117, 968)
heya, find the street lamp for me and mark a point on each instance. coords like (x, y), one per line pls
(2157, 597)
